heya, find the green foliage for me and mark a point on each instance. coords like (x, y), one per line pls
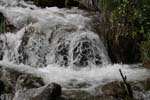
(130, 19)
(145, 50)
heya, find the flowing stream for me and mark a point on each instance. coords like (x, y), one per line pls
(59, 45)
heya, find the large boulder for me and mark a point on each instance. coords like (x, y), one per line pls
(49, 92)
(18, 85)
(15, 80)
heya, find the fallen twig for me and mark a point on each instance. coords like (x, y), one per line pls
(126, 85)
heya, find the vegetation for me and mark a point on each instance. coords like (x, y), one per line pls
(127, 21)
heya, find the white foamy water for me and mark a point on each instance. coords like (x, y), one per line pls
(59, 45)
(91, 76)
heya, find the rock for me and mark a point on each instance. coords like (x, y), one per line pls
(15, 80)
(90, 4)
(71, 3)
(26, 81)
(147, 84)
(1, 49)
(86, 4)
(50, 3)
(2, 19)
(85, 51)
(142, 86)
(84, 95)
(9, 78)
(49, 92)
(115, 89)
(147, 64)
(6, 26)
(2, 87)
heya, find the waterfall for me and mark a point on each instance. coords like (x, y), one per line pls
(52, 35)
(58, 45)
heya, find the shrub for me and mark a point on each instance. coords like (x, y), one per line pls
(128, 19)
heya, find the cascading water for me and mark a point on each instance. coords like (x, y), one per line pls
(59, 46)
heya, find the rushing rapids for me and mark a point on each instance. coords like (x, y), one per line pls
(58, 45)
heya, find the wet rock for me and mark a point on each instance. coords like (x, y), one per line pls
(141, 89)
(49, 92)
(2, 87)
(85, 52)
(5, 25)
(138, 86)
(115, 89)
(142, 86)
(52, 91)
(50, 3)
(147, 64)
(15, 80)
(71, 3)
(62, 54)
(2, 20)
(28, 81)
(9, 78)
(34, 49)
(85, 4)
(1, 48)
(90, 4)
(147, 84)
(76, 85)
(83, 95)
